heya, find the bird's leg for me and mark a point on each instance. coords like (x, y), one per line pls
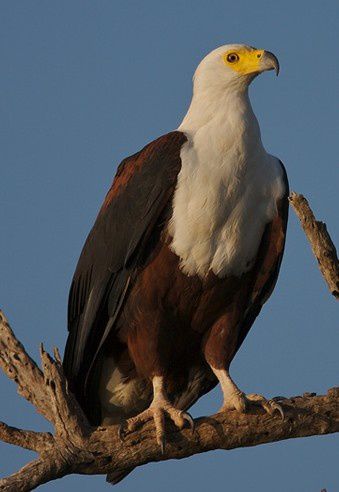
(235, 399)
(219, 349)
(159, 408)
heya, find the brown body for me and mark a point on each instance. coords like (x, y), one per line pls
(177, 326)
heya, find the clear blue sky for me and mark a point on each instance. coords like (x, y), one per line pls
(85, 83)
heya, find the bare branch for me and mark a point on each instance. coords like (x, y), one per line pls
(35, 441)
(18, 365)
(305, 416)
(102, 452)
(69, 418)
(78, 448)
(320, 240)
(34, 474)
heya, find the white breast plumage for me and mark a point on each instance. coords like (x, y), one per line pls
(223, 200)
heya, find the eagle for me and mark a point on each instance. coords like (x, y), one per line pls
(184, 252)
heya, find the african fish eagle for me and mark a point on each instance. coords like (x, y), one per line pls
(184, 252)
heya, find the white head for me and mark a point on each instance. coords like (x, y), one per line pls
(220, 86)
(233, 66)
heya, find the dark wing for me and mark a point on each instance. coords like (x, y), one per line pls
(121, 239)
(268, 262)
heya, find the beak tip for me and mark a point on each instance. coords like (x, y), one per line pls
(271, 62)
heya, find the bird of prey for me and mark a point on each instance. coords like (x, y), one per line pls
(185, 251)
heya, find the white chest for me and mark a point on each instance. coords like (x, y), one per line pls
(225, 196)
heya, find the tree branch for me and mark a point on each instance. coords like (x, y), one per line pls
(34, 474)
(18, 365)
(320, 240)
(69, 418)
(35, 441)
(76, 447)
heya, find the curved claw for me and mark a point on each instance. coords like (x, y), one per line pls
(188, 417)
(278, 408)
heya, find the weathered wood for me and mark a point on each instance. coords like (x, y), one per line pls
(19, 366)
(78, 448)
(320, 240)
(35, 441)
(69, 418)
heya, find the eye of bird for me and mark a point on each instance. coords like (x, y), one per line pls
(232, 58)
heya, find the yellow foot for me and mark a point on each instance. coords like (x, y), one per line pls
(241, 402)
(158, 410)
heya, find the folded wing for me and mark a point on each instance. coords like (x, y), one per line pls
(126, 229)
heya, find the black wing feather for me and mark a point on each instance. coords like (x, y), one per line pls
(115, 248)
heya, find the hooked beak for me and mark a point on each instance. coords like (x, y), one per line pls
(269, 62)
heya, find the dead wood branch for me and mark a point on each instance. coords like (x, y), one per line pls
(320, 240)
(18, 365)
(76, 447)
(35, 441)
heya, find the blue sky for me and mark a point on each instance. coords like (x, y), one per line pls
(82, 85)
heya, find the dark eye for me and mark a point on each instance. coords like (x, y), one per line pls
(232, 58)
